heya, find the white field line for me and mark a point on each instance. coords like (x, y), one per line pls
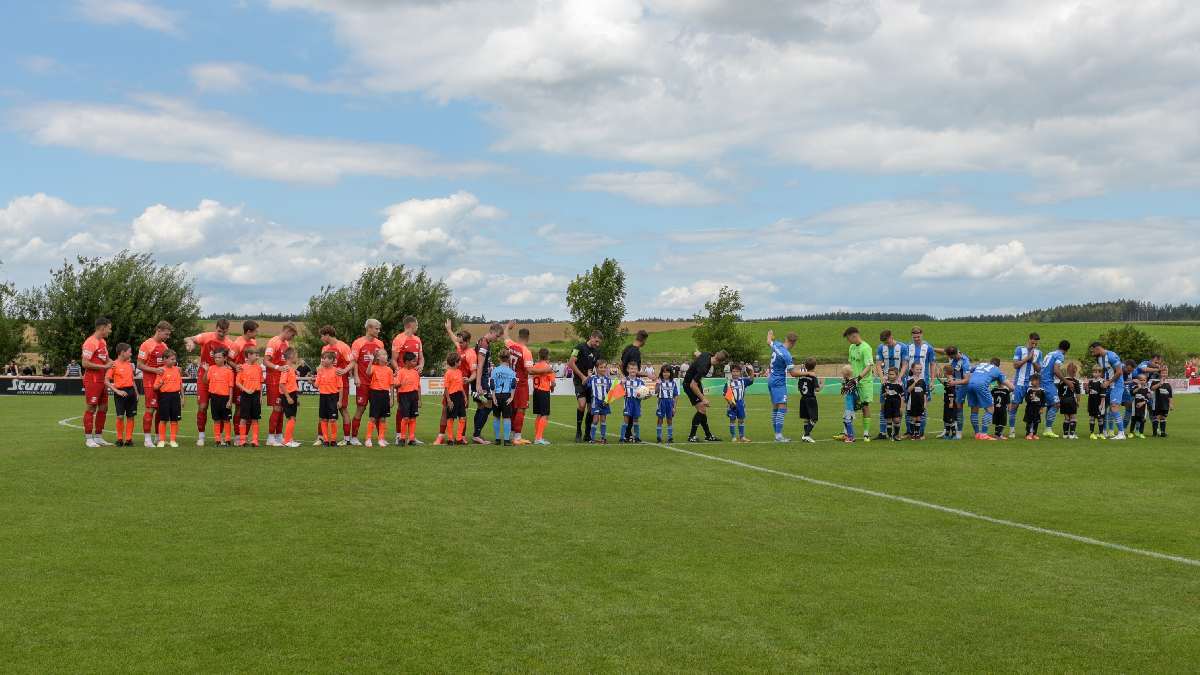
(930, 505)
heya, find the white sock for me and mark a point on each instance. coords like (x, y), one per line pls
(149, 437)
(199, 435)
(517, 436)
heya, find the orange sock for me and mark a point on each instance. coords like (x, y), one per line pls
(462, 429)
(228, 432)
(289, 428)
(242, 433)
(120, 428)
(539, 427)
(217, 430)
(162, 431)
(382, 429)
(129, 429)
(254, 432)
(370, 429)
(174, 430)
(412, 428)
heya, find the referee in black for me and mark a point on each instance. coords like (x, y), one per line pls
(633, 353)
(693, 386)
(582, 363)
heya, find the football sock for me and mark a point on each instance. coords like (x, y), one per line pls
(217, 430)
(883, 421)
(289, 428)
(670, 433)
(162, 431)
(345, 426)
(496, 428)
(578, 422)
(539, 428)
(381, 427)
(733, 431)
(987, 420)
(120, 428)
(695, 423)
(462, 429)
(921, 426)
(481, 415)
(412, 429)
(1051, 415)
(518, 423)
(1012, 418)
(1162, 427)
(808, 427)
(147, 422)
(370, 429)
(98, 422)
(849, 424)
(603, 430)
(201, 419)
(507, 424)
(355, 426)
(637, 431)
(704, 425)
(174, 430)
(658, 432)
(777, 418)
(624, 428)
(975, 420)
(866, 426)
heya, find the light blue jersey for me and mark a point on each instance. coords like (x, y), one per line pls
(1110, 363)
(893, 356)
(1054, 358)
(1021, 377)
(503, 379)
(925, 355)
(781, 362)
(979, 389)
(960, 368)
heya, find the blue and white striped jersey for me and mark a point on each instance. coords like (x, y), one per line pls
(599, 385)
(738, 386)
(894, 356)
(1109, 364)
(960, 366)
(924, 355)
(1021, 378)
(668, 389)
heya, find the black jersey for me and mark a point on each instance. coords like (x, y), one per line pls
(893, 391)
(585, 359)
(1096, 390)
(631, 354)
(1162, 397)
(849, 386)
(916, 397)
(698, 370)
(1141, 396)
(1002, 397)
(1069, 390)
(1035, 400)
(807, 385)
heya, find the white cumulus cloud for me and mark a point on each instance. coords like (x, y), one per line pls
(660, 188)
(161, 228)
(419, 228)
(137, 12)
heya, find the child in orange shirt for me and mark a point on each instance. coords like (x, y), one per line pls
(542, 386)
(170, 399)
(249, 389)
(379, 382)
(219, 380)
(329, 387)
(408, 399)
(120, 382)
(456, 401)
(289, 398)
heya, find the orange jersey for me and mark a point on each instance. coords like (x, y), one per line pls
(328, 381)
(362, 352)
(121, 374)
(453, 381)
(237, 353)
(380, 378)
(544, 382)
(170, 380)
(406, 380)
(342, 351)
(150, 353)
(210, 342)
(406, 344)
(220, 380)
(288, 383)
(467, 359)
(95, 350)
(250, 378)
(276, 347)
(520, 359)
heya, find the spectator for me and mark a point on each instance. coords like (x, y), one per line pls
(190, 371)
(11, 368)
(27, 371)
(73, 369)
(46, 371)
(303, 370)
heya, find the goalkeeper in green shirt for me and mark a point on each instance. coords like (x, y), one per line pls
(861, 362)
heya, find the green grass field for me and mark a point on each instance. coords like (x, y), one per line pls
(823, 339)
(578, 558)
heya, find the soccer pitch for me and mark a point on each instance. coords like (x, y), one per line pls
(583, 558)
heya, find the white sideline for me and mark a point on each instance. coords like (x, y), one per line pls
(930, 505)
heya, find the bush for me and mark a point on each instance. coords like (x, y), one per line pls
(1131, 343)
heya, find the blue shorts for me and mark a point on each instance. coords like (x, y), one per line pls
(604, 409)
(737, 410)
(1051, 395)
(1018, 396)
(960, 394)
(851, 402)
(633, 407)
(979, 396)
(1116, 394)
(778, 391)
(666, 408)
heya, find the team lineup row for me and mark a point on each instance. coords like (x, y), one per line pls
(501, 375)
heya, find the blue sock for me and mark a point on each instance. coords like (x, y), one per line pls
(975, 420)
(849, 428)
(924, 419)
(637, 431)
(732, 431)
(604, 430)
(496, 427)
(623, 429)
(987, 420)
(1012, 418)
(1120, 424)
(777, 418)
(670, 432)
(658, 433)
(741, 429)
(882, 420)
(1051, 414)
(592, 432)
(507, 428)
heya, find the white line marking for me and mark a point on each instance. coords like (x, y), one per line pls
(930, 505)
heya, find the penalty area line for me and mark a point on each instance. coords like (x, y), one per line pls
(962, 513)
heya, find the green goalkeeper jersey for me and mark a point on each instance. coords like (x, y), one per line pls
(860, 359)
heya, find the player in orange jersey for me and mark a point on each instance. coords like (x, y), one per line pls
(149, 361)
(543, 384)
(170, 400)
(466, 365)
(343, 364)
(125, 396)
(520, 359)
(219, 380)
(330, 386)
(407, 342)
(362, 351)
(455, 408)
(249, 383)
(408, 399)
(276, 360)
(379, 383)
(289, 398)
(237, 357)
(95, 364)
(208, 343)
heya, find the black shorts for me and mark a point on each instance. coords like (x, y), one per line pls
(541, 402)
(126, 405)
(1069, 407)
(408, 404)
(582, 391)
(1162, 412)
(327, 406)
(916, 406)
(691, 395)
(170, 406)
(219, 406)
(808, 408)
(503, 406)
(891, 408)
(289, 409)
(381, 404)
(456, 406)
(250, 406)
(1000, 417)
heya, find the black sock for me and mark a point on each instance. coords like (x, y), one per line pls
(587, 426)
(695, 424)
(578, 422)
(704, 425)
(1162, 426)
(1091, 425)
(481, 417)
(808, 427)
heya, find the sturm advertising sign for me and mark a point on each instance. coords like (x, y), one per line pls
(16, 386)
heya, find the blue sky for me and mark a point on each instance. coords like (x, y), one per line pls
(936, 156)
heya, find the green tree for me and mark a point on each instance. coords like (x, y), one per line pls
(1131, 343)
(386, 293)
(596, 300)
(129, 288)
(12, 324)
(717, 328)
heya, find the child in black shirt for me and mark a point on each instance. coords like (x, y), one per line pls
(917, 390)
(1164, 403)
(893, 402)
(1001, 397)
(1035, 400)
(1068, 401)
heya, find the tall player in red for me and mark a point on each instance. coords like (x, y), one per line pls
(95, 364)
(466, 363)
(276, 361)
(407, 342)
(343, 365)
(236, 359)
(520, 359)
(150, 362)
(208, 343)
(362, 351)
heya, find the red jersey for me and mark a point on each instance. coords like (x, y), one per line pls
(237, 353)
(342, 351)
(273, 355)
(150, 353)
(520, 359)
(210, 342)
(466, 360)
(363, 353)
(406, 344)
(95, 350)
